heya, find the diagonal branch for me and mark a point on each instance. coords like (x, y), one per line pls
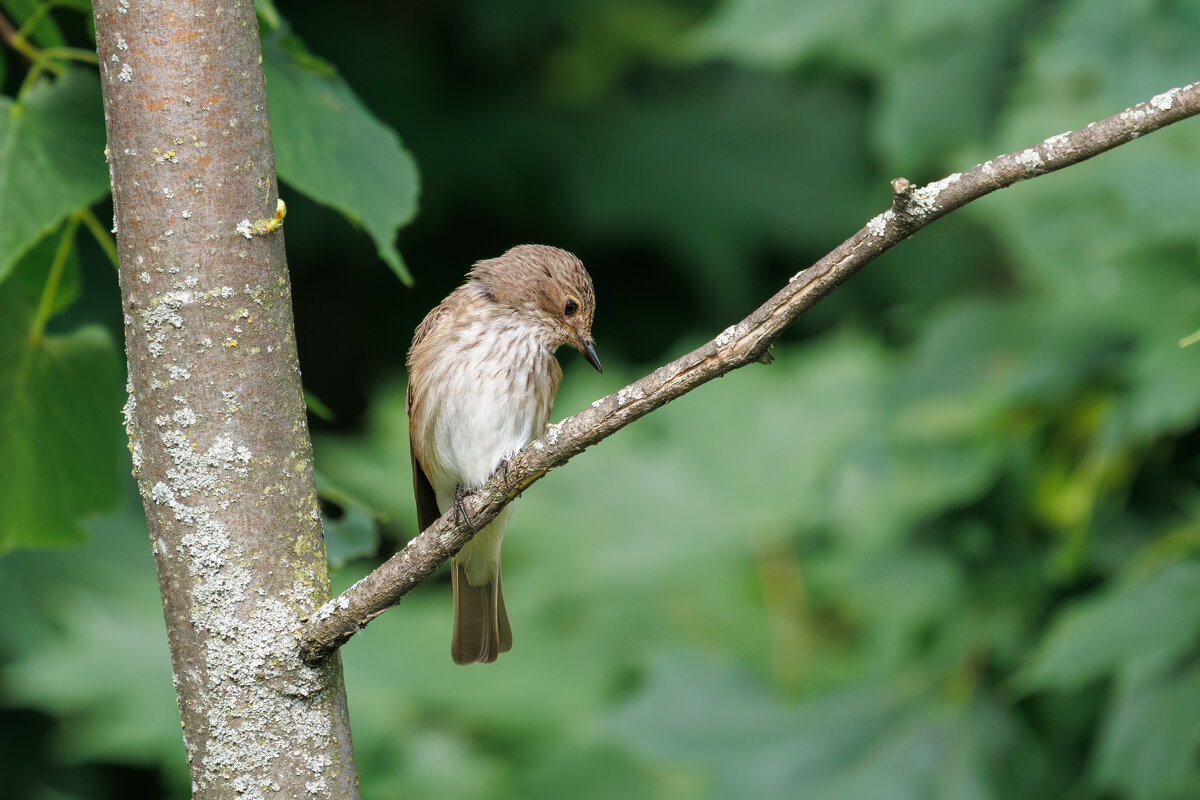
(748, 341)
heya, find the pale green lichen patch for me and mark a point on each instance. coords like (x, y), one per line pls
(266, 691)
(184, 417)
(1164, 101)
(262, 693)
(162, 316)
(232, 406)
(256, 294)
(1030, 160)
(127, 414)
(129, 408)
(926, 199)
(1055, 143)
(877, 226)
(202, 471)
(723, 338)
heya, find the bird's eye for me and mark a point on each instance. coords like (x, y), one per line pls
(570, 308)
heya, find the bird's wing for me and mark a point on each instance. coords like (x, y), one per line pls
(427, 507)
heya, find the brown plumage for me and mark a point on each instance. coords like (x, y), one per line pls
(481, 381)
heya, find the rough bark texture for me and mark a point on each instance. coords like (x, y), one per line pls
(216, 417)
(744, 343)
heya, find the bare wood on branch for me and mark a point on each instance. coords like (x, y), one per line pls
(748, 341)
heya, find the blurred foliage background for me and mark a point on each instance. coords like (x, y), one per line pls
(946, 547)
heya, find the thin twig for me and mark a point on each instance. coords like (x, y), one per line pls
(7, 31)
(748, 341)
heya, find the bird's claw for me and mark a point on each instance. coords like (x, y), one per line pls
(460, 507)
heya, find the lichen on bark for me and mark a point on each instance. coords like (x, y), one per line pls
(216, 416)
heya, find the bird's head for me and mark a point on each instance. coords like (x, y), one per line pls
(548, 284)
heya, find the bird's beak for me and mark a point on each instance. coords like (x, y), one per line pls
(588, 348)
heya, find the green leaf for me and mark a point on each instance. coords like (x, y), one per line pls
(352, 533)
(718, 722)
(1141, 627)
(592, 773)
(780, 33)
(374, 469)
(330, 146)
(91, 647)
(912, 127)
(349, 536)
(1148, 747)
(317, 407)
(82, 6)
(295, 47)
(714, 196)
(59, 428)
(51, 159)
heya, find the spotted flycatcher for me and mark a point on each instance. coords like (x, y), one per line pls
(481, 380)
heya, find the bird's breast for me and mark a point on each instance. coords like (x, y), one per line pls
(487, 394)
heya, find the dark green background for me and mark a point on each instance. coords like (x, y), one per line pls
(947, 547)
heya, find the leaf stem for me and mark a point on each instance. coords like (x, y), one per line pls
(28, 25)
(17, 41)
(102, 237)
(46, 304)
(71, 54)
(57, 267)
(40, 60)
(7, 31)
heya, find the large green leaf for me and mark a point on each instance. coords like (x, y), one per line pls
(1147, 749)
(330, 146)
(939, 64)
(350, 531)
(717, 194)
(723, 726)
(59, 427)
(51, 159)
(779, 33)
(1140, 627)
(91, 647)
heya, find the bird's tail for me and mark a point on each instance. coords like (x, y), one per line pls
(481, 630)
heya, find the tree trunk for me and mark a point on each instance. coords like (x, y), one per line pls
(216, 416)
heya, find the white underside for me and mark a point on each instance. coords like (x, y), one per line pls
(478, 424)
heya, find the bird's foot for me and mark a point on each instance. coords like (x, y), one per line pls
(460, 507)
(504, 470)
(503, 467)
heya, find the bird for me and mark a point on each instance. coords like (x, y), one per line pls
(482, 376)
